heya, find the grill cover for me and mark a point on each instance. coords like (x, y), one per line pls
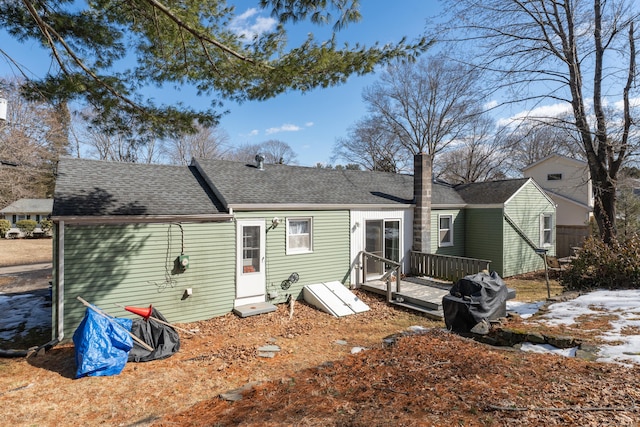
(473, 299)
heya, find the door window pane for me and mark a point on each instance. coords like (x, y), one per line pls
(392, 240)
(251, 249)
(373, 245)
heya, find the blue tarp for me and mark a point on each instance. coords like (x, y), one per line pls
(102, 345)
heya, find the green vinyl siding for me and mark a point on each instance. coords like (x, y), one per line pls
(133, 265)
(458, 218)
(328, 261)
(525, 210)
(484, 236)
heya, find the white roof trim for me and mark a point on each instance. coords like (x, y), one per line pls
(320, 207)
(570, 200)
(313, 207)
(131, 219)
(486, 206)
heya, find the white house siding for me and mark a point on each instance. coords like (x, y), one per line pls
(525, 209)
(575, 183)
(326, 263)
(358, 218)
(131, 265)
(569, 213)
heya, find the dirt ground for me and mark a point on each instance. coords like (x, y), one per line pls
(317, 378)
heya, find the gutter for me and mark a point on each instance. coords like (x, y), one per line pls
(132, 219)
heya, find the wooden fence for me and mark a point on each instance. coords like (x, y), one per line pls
(568, 236)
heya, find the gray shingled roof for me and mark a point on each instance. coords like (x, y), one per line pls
(23, 206)
(489, 192)
(94, 188)
(240, 184)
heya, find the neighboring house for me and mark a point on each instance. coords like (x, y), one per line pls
(568, 182)
(35, 209)
(256, 233)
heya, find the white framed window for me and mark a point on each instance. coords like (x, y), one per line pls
(546, 229)
(445, 230)
(299, 235)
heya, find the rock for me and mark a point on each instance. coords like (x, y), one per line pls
(535, 338)
(236, 394)
(481, 328)
(563, 342)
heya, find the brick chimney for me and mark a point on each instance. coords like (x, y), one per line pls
(422, 181)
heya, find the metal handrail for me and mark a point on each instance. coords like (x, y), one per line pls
(386, 276)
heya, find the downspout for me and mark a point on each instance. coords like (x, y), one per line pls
(60, 282)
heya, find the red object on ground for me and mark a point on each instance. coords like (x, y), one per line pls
(142, 312)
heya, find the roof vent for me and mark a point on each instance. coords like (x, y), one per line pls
(260, 161)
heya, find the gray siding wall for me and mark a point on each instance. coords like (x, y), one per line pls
(525, 209)
(458, 248)
(329, 260)
(132, 265)
(484, 236)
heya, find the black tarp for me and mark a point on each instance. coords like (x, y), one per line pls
(473, 299)
(164, 339)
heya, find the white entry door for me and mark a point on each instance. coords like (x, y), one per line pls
(250, 274)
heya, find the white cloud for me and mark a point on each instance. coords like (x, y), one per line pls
(287, 127)
(541, 112)
(254, 132)
(250, 25)
(308, 124)
(491, 104)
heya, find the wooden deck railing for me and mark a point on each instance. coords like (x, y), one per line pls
(445, 267)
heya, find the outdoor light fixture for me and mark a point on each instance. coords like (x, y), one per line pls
(275, 221)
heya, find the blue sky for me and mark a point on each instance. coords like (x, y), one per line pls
(309, 123)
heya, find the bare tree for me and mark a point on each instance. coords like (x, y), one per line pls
(115, 148)
(532, 141)
(31, 140)
(274, 152)
(206, 143)
(578, 52)
(277, 152)
(426, 104)
(477, 157)
(372, 146)
(244, 153)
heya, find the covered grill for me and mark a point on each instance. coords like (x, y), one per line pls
(474, 299)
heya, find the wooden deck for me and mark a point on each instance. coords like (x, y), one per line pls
(417, 293)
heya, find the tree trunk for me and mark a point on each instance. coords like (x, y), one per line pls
(604, 209)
